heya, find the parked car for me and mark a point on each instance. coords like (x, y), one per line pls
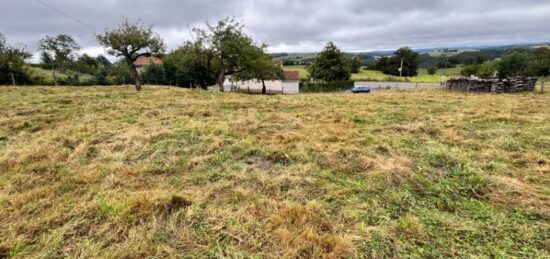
(360, 89)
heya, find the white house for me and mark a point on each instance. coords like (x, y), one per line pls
(290, 85)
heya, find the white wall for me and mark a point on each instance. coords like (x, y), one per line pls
(255, 86)
(291, 87)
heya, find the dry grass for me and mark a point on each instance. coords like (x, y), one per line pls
(107, 172)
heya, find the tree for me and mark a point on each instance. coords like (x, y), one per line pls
(470, 70)
(46, 58)
(120, 73)
(514, 64)
(356, 64)
(331, 65)
(86, 64)
(12, 63)
(262, 67)
(100, 75)
(102, 60)
(154, 74)
(432, 71)
(391, 65)
(131, 40)
(60, 50)
(487, 70)
(539, 63)
(191, 65)
(410, 61)
(231, 49)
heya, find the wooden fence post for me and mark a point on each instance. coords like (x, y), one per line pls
(12, 79)
(542, 86)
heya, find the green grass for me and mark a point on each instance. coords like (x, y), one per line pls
(105, 172)
(47, 75)
(373, 75)
(302, 69)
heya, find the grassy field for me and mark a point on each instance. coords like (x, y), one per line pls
(372, 75)
(107, 172)
(47, 75)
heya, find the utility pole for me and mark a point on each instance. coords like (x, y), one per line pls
(446, 62)
(401, 68)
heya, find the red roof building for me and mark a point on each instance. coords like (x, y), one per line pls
(144, 60)
(292, 75)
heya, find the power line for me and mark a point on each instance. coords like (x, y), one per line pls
(67, 16)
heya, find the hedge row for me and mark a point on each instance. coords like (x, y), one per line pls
(318, 87)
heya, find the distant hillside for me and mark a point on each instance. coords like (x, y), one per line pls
(432, 56)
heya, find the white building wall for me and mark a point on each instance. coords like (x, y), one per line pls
(291, 87)
(255, 86)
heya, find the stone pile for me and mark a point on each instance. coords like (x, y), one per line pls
(508, 85)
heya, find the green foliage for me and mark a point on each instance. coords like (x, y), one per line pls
(335, 86)
(432, 71)
(60, 50)
(12, 64)
(131, 40)
(391, 65)
(120, 74)
(356, 64)
(191, 65)
(514, 64)
(331, 65)
(470, 70)
(261, 67)
(86, 64)
(485, 70)
(232, 50)
(539, 64)
(218, 51)
(100, 76)
(154, 74)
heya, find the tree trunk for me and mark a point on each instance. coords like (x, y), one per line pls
(221, 80)
(264, 89)
(137, 78)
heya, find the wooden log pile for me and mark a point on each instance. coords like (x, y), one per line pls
(470, 85)
(508, 85)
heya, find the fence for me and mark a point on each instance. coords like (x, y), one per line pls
(314, 87)
(374, 86)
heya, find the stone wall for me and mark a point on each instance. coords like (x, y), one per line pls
(508, 85)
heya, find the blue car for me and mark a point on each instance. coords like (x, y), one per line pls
(360, 89)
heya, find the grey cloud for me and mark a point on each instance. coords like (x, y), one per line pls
(292, 25)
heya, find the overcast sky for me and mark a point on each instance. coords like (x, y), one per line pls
(292, 26)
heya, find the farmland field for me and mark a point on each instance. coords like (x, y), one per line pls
(108, 172)
(372, 75)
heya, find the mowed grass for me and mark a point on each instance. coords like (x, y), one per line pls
(107, 172)
(373, 75)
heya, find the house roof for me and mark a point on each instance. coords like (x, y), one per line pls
(147, 59)
(292, 75)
